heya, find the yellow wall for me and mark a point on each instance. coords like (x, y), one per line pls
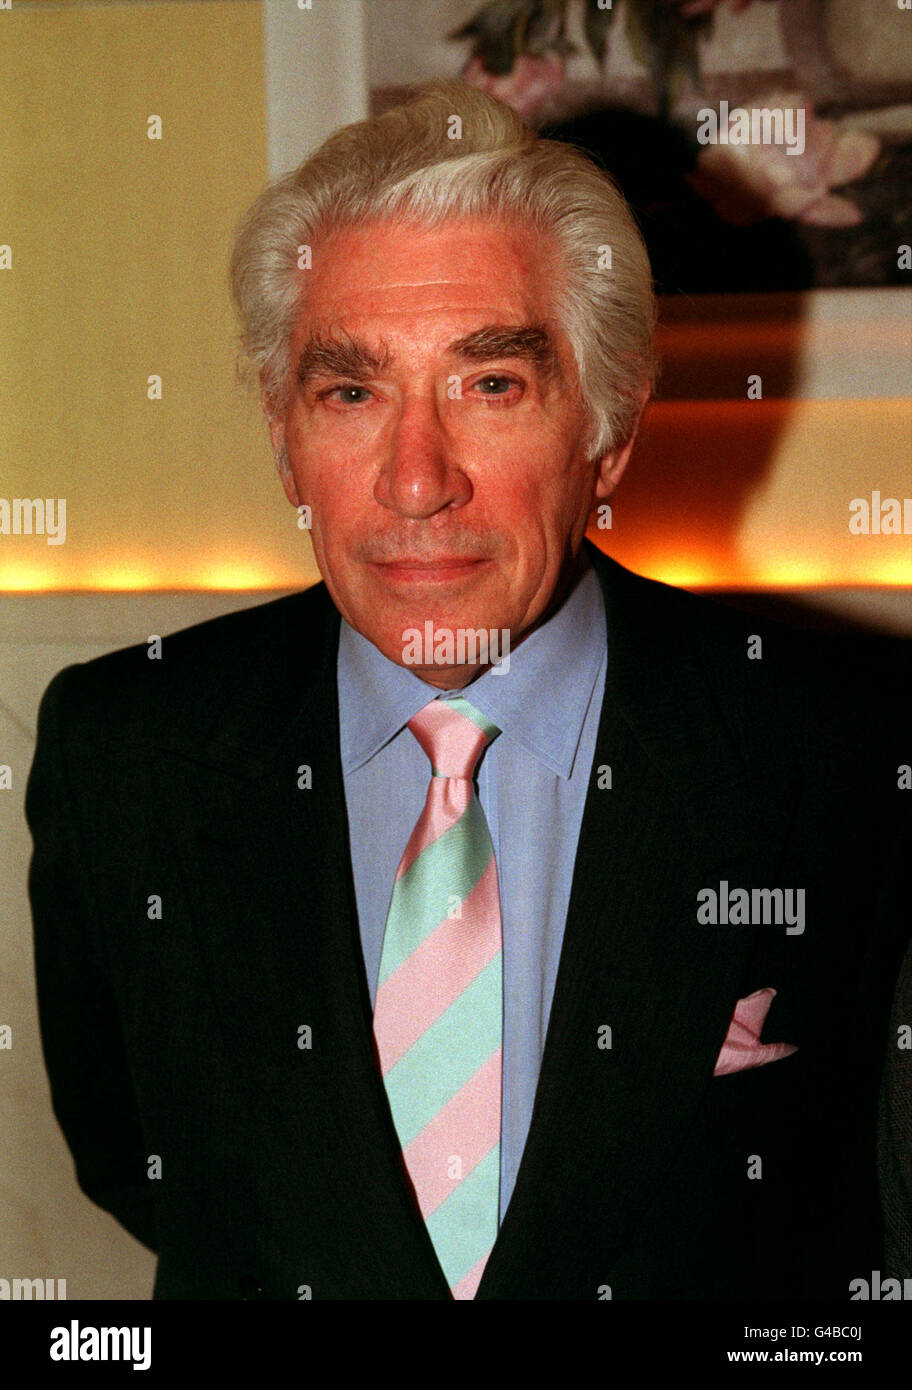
(756, 494)
(119, 252)
(120, 247)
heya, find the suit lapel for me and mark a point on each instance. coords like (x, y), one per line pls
(268, 869)
(634, 960)
(267, 863)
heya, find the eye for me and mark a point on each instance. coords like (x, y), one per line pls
(349, 395)
(495, 385)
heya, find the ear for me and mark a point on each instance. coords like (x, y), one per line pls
(612, 464)
(277, 436)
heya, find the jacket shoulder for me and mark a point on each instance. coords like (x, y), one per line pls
(186, 675)
(776, 679)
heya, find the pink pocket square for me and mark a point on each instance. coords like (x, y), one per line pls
(742, 1047)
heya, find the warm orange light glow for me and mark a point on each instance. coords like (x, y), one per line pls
(685, 568)
(231, 577)
(127, 578)
(890, 572)
(798, 572)
(26, 579)
(781, 574)
(687, 571)
(130, 577)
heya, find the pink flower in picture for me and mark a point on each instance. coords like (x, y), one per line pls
(746, 182)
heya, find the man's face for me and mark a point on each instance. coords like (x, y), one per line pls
(436, 431)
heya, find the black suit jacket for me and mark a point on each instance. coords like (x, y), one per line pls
(278, 1168)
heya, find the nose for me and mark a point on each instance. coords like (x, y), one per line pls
(420, 475)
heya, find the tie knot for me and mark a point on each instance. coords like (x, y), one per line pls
(453, 734)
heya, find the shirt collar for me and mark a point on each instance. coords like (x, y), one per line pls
(541, 701)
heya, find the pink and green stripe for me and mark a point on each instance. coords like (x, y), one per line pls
(438, 1017)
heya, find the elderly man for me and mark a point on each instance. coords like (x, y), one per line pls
(486, 921)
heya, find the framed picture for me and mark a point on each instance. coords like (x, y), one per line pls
(764, 144)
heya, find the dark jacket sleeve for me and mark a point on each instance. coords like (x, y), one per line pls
(895, 1138)
(91, 1086)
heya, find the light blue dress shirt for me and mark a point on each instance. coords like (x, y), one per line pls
(532, 784)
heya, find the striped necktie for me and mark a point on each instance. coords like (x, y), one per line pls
(438, 1019)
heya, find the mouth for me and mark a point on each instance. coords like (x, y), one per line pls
(441, 570)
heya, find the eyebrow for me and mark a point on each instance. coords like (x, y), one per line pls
(346, 357)
(530, 342)
(351, 358)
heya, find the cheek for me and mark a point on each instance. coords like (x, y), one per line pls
(536, 507)
(335, 523)
(332, 486)
(346, 439)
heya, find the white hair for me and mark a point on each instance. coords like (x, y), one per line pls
(454, 152)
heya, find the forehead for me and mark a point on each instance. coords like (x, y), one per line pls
(393, 274)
